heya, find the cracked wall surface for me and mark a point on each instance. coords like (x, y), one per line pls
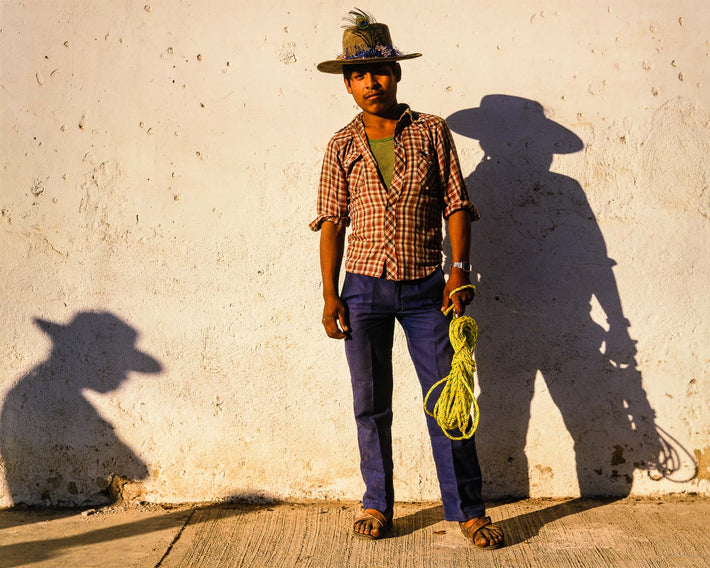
(161, 289)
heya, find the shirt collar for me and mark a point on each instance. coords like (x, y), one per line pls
(408, 116)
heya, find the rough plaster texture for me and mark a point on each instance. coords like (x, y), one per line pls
(160, 289)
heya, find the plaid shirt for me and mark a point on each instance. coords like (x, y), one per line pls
(395, 233)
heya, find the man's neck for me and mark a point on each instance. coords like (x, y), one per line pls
(382, 125)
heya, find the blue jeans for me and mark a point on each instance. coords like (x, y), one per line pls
(373, 305)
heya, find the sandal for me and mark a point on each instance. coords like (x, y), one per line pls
(380, 524)
(472, 526)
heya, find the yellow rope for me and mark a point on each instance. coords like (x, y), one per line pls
(457, 409)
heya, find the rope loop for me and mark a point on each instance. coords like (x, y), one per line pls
(456, 411)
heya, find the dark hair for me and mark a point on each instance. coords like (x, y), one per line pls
(348, 70)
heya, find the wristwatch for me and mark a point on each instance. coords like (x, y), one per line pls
(465, 266)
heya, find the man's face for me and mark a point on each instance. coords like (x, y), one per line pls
(374, 87)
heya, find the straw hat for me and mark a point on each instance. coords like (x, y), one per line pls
(364, 41)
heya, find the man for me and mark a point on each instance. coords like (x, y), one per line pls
(391, 174)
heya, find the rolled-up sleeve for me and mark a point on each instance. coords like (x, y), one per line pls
(332, 202)
(455, 193)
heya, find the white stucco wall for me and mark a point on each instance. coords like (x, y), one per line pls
(159, 162)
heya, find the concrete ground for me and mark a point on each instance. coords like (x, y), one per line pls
(670, 532)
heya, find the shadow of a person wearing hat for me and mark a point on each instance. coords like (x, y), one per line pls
(55, 446)
(542, 257)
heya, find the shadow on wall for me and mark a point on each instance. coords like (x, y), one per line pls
(55, 447)
(542, 258)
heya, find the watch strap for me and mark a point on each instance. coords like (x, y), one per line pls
(465, 266)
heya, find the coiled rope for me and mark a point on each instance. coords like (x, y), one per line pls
(457, 409)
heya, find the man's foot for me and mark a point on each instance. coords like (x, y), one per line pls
(371, 524)
(482, 532)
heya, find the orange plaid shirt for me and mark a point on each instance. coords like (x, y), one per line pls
(395, 233)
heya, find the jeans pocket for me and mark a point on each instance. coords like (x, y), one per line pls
(347, 286)
(432, 287)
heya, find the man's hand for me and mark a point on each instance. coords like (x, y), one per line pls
(461, 299)
(619, 348)
(332, 242)
(335, 313)
(459, 226)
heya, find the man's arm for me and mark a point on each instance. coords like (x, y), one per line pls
(459, 229)
(332, 243)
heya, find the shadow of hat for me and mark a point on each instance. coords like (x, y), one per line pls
(506, 119)
(101, 332)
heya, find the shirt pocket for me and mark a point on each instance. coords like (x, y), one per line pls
(354, 165)
(426, 173)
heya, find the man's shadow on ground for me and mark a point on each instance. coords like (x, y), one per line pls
(542, 258)
(56, 448)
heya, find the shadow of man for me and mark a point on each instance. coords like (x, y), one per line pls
(55, 447)
(542, 258)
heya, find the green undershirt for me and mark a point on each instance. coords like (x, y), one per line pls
(383, 151)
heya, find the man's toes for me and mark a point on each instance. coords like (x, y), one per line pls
(488, 536)
(371, 524)
(365, 527)
(481, 539)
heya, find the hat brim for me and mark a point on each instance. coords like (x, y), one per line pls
(502, 121)
(335, 66)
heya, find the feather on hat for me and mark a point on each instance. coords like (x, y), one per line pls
(364, 41)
